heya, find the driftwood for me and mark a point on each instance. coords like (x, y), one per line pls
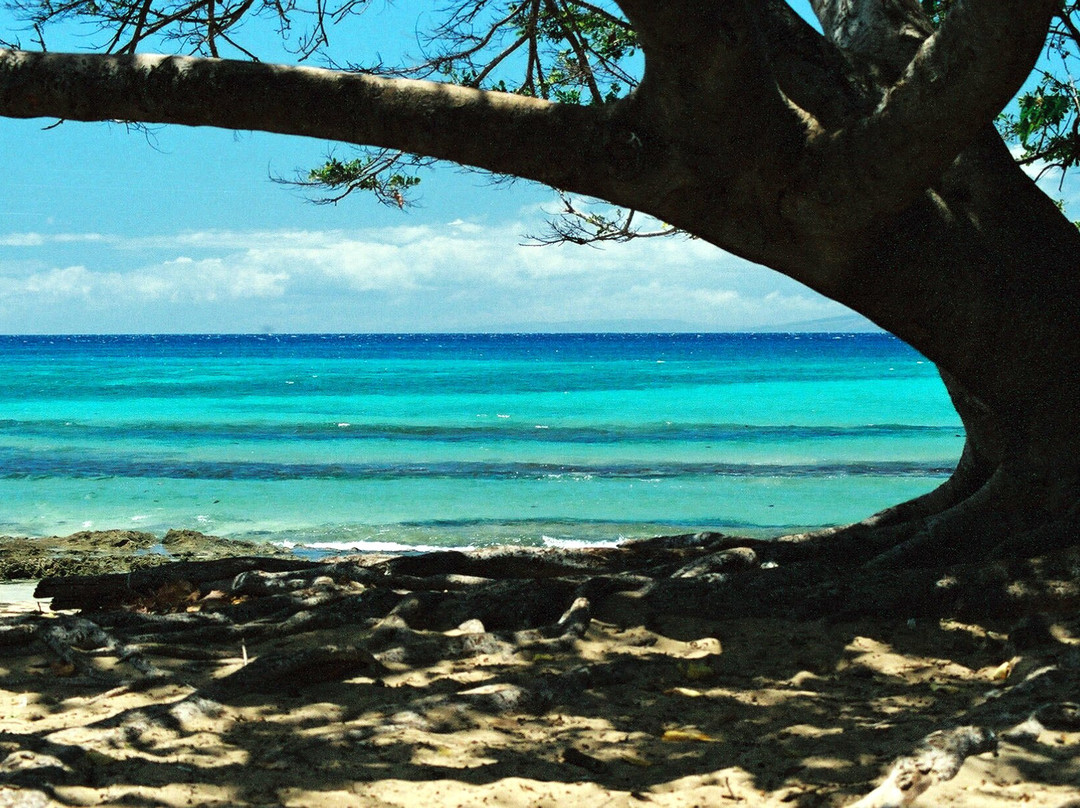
(251, 600)
(501, 563)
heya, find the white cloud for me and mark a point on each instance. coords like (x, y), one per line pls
(466, 227)
(78, 238)
(22, 240)
(179, 280)
(460, 276)
(186, 280)
(75, 281)
(41, 240)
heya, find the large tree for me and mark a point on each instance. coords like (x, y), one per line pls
(862, 162)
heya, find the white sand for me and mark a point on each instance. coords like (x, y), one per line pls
(21, 592)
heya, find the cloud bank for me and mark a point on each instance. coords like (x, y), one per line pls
(459, 276)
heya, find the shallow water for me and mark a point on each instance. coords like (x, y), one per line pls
(463, 440)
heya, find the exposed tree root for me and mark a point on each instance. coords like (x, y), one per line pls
(64, 637)
(105, 591)
(956, 524)
(278, 673)
(937, 759)
(519, 590)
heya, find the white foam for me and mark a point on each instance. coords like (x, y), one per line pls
(377, 547)
(576, 544)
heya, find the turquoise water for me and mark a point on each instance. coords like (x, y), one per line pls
(462, 440)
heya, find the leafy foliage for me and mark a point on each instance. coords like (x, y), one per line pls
(572, 52)
(375, 172)
(936, 9)
(584, 222)
(1046, 125)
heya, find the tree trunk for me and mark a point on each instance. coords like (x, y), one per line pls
(982, 275)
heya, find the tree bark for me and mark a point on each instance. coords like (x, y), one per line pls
(982, 272)
(500, 132)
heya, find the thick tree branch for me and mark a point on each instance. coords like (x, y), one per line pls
(959, 79)
(567, 146)
(812, 72)
(887, 31)
(707, 78)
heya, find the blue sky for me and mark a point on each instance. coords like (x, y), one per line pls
(108, 231)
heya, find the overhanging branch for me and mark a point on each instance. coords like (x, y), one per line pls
(560, 145)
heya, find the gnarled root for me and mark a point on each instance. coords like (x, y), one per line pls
(936, 759)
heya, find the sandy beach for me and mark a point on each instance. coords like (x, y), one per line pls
(627, 706)
(18, 593)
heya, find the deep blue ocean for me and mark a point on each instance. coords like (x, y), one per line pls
(370, 441)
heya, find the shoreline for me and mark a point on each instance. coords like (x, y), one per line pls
(19, 593)
(107, 551)
(96, 552)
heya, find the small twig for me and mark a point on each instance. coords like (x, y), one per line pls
(730, 792)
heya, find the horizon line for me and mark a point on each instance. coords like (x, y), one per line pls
(753, 332)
